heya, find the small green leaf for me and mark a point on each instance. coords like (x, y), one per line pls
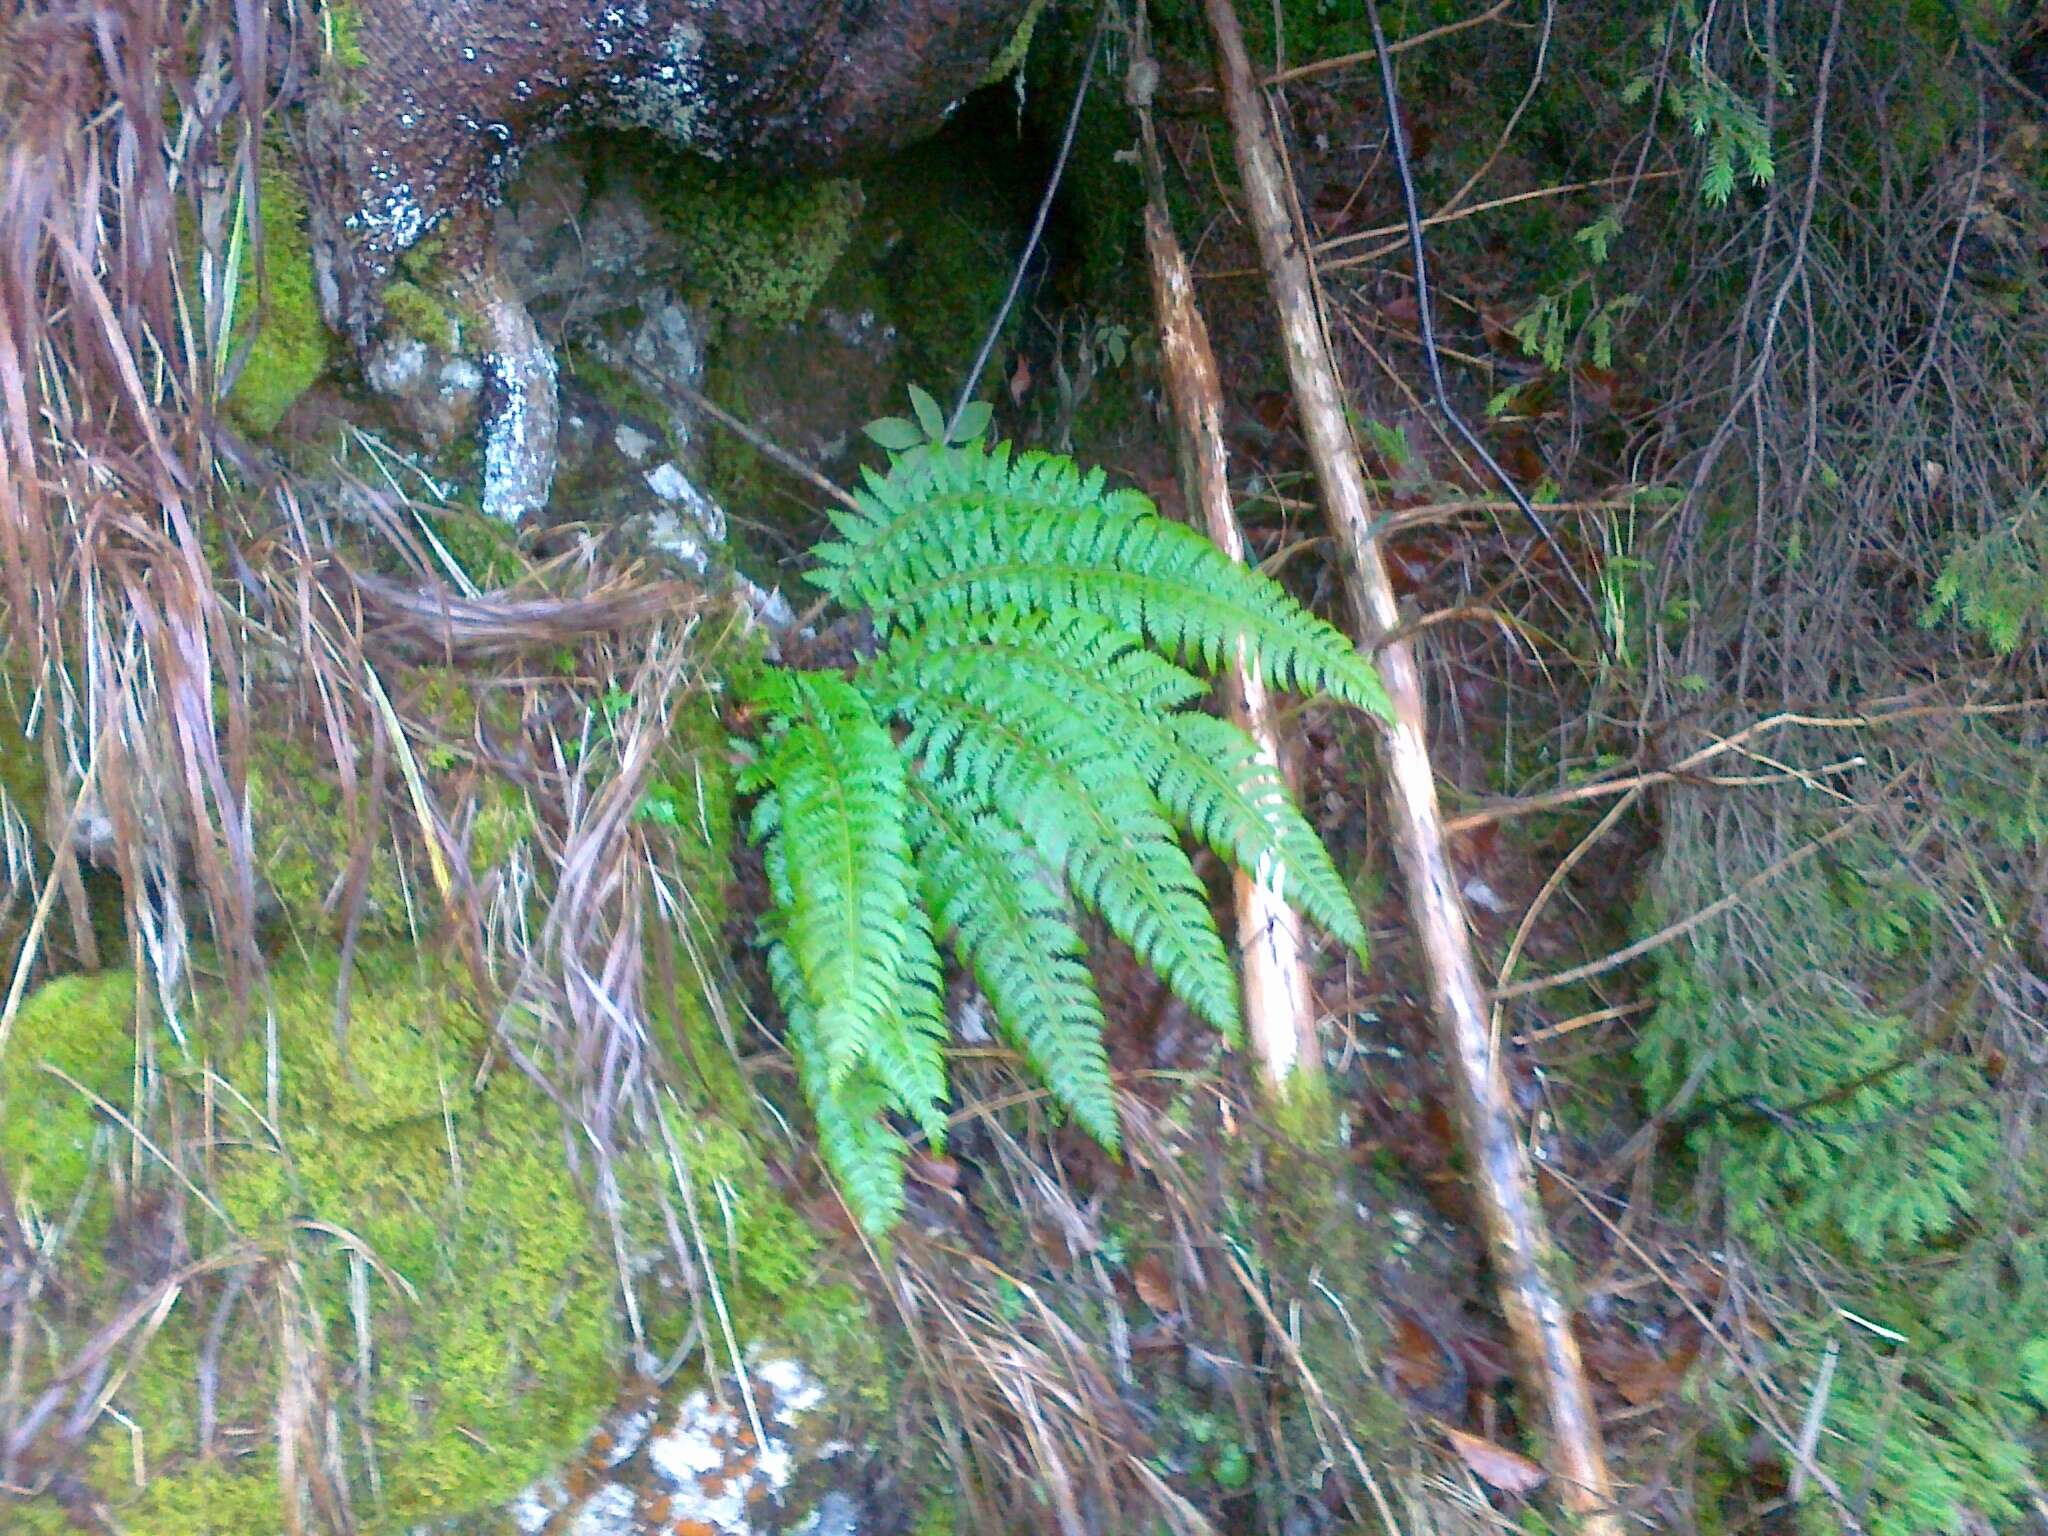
(1232, 1468)
(895, 433)
(973, 422)
(929, 416)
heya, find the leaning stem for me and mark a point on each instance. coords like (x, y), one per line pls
(1518, 1240)
(1279, 1009)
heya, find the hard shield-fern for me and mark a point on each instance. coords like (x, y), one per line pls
(1025, 739)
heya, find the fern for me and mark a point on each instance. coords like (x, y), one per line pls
(969, 533)
(1026, 738)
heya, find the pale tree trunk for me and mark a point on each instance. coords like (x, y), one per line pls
(1279, 1009)
(1518, 1241)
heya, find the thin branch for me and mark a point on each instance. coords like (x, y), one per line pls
(1367, 55)
(1685, 925)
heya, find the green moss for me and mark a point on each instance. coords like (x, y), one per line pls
(757, 250)
(618, 390)
(208, 1500)
(485, 547)
(1011, 57)
(411, 310)
(303, 841)
(490, 1300)
(345, 33)
(23, 779)
(937, 1515)
(83, 1027)
(304, 836)
(282, 325)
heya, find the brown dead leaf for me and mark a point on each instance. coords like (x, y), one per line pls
(1403, 310)
(1641, 1372)
(939, 1172)
(1415, 1358)
(1496, 1465)
(1154, 1283)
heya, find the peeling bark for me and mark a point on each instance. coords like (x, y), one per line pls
(1518, 1240)
(1279, 1009)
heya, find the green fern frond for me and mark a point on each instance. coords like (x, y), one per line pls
(909, 1050)
(969, 531)
(854, 1136)
(837, 826)
(1206, 773)
(1011, 929)
(1012, 747)
(1039, 628)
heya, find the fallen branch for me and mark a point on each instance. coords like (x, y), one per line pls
(1517, 1239)
(1367, 55)
(1279, 1009)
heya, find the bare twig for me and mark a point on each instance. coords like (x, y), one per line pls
(1365, 56)
(1280, 1011)
(1517, 1238)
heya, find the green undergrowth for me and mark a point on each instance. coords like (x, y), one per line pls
(24, 779)
(786, 1289)
(278, 319)
(406, 1222)
(306, 832)
(1848, 1129)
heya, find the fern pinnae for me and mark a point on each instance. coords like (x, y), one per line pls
(908, 1051)
(1206, 773)
(1023, 753)
(971, 530)
(862, 1150)
(1010, 927)
(838, 828)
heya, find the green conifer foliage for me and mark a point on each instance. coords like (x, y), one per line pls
(1026, 740)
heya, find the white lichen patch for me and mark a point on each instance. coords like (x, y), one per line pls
(614, 1510)
(519, 431)
(707, 1456)
(667, 95)
(395, 367)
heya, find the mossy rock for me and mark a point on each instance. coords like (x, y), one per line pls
(303, 831)
(395, 1197)
(756, 250)
(279, 319)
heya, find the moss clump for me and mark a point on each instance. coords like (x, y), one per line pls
(485, 547)
(304, 833)
(83, 1027)
(286, 339)
(411, 311)
(304, 841)
(344, 25)
(24, 783)
(443, 1217)
(757, 251)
